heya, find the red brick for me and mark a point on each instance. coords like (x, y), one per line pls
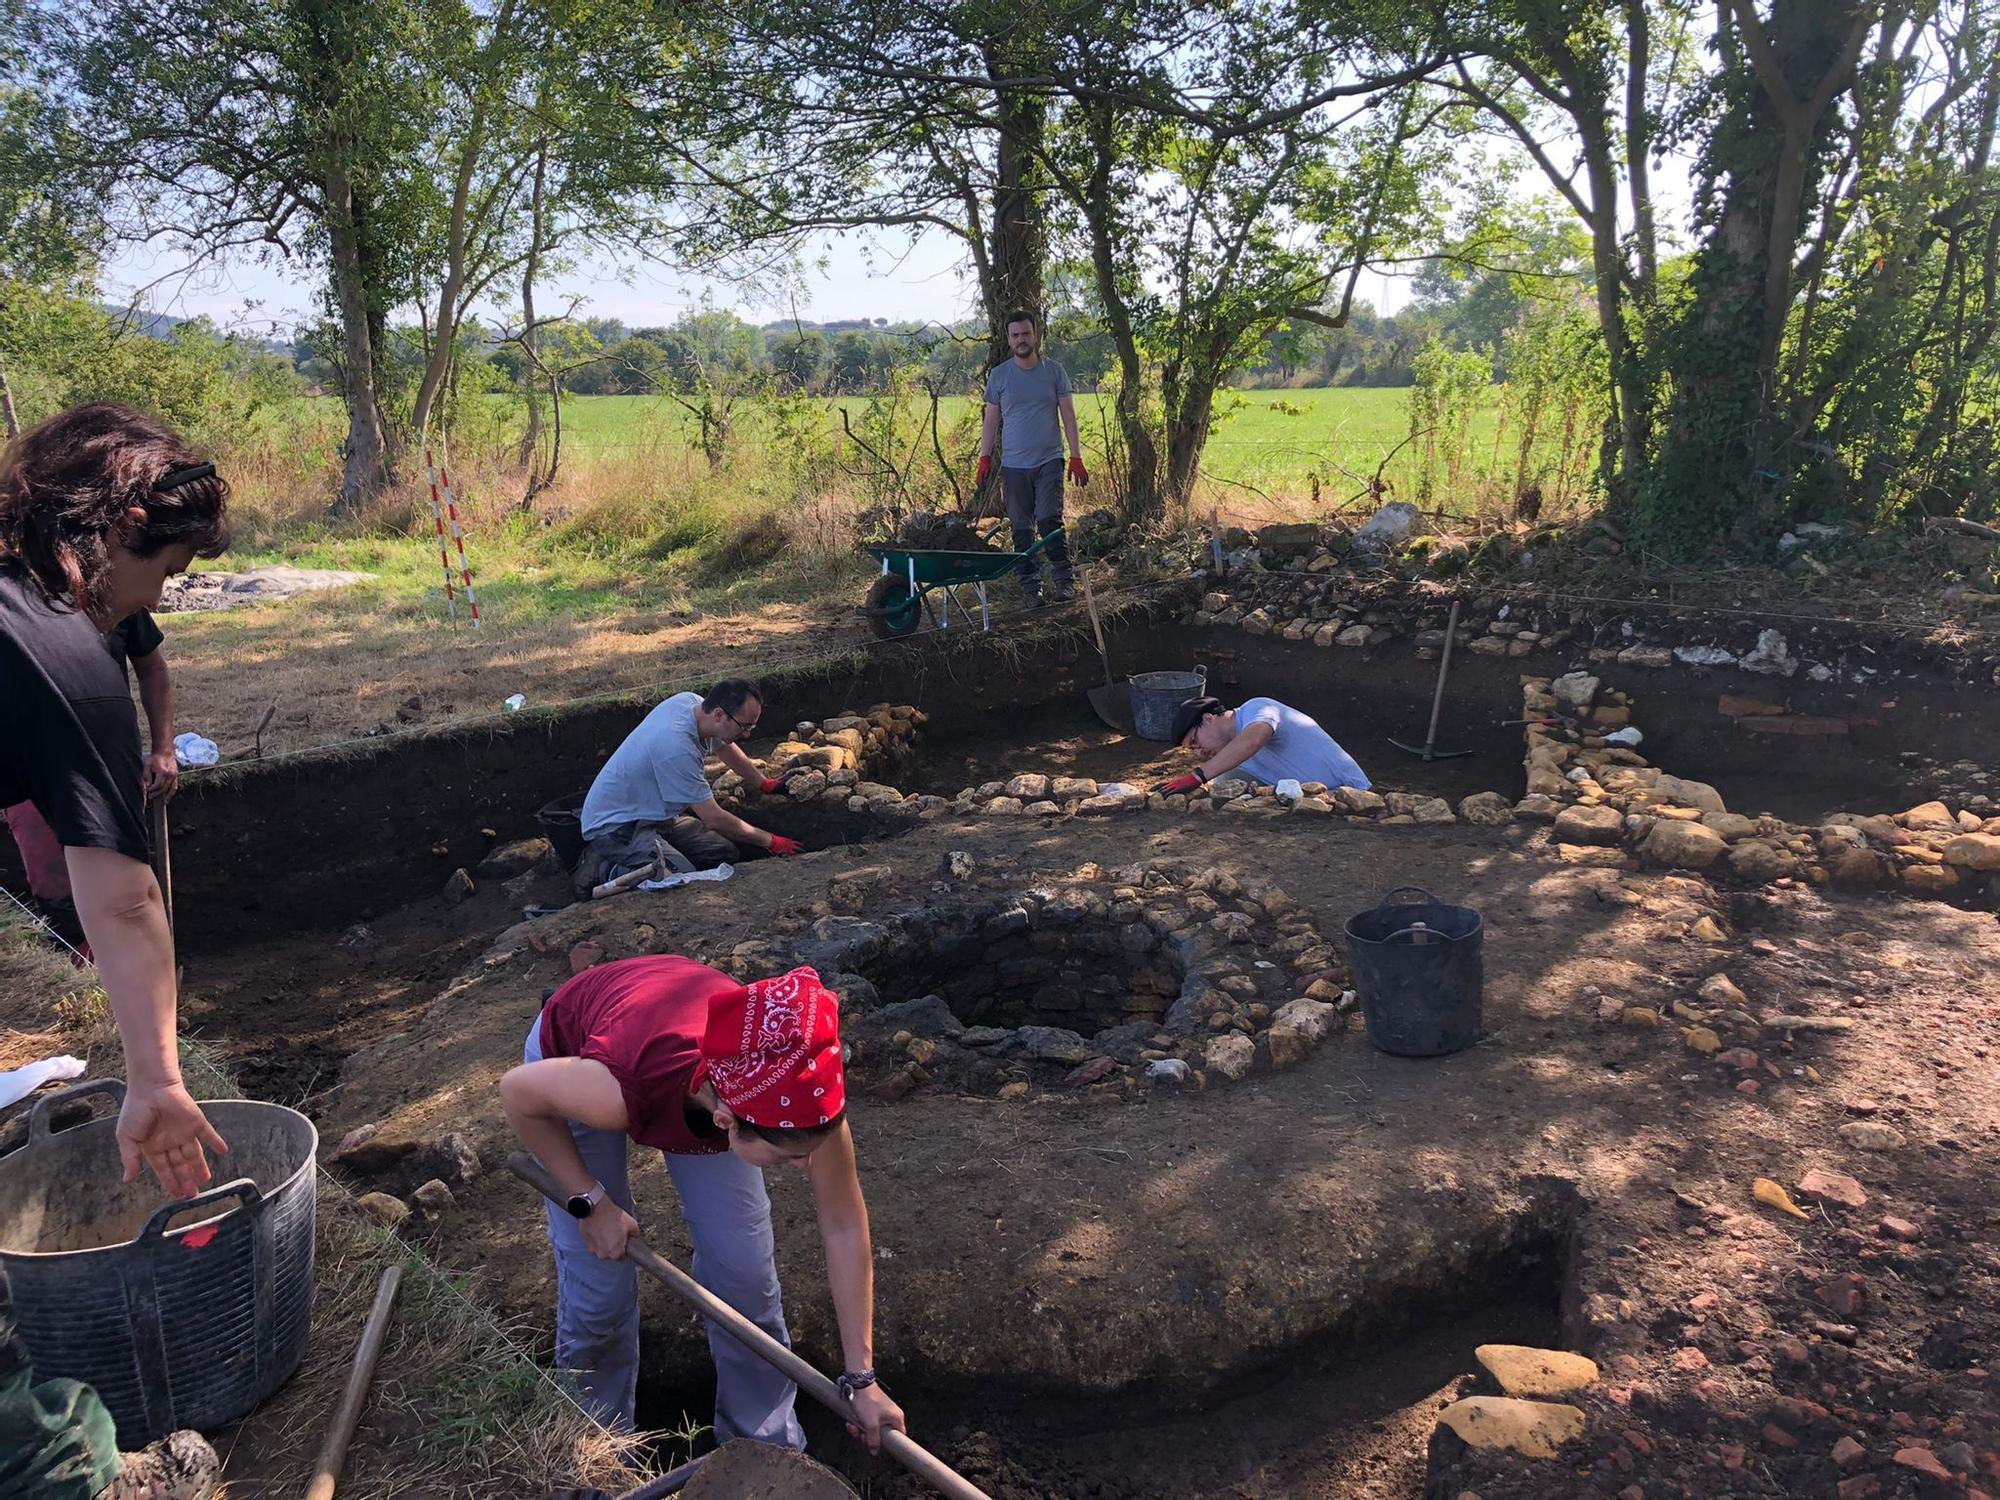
(1924, 1462)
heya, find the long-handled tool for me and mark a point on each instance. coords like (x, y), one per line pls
(163, 861)
(333, 1453)
(1428, 750)
(1113, 702)
(919, 1460)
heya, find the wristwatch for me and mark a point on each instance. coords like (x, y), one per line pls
(580, 1204)
(851, 1381)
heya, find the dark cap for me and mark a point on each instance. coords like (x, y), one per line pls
(1192, 712)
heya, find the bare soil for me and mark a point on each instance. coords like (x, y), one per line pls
(1144, 1264)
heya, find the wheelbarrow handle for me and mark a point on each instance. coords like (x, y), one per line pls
(919, 1460)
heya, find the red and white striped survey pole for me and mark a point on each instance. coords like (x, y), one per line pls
(459, 537)
(437, 519)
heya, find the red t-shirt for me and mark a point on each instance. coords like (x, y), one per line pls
(643, 1018)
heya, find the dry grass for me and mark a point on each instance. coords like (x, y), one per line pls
(637, 572)
(338, 668)
(456, 1409)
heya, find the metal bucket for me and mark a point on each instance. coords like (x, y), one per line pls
(1155, 696)
(180, 1314)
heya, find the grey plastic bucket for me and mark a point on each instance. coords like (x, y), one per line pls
(1419, 969)
(187, 1313)
(1155, 696)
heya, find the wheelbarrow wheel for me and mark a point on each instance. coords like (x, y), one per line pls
(892, 609)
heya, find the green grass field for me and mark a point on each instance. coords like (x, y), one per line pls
(1267, 440)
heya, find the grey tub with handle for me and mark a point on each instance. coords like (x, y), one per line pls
(184, 1313)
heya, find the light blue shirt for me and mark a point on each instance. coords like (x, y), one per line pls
(656, 775)
(1030, 426)
(1298, 750)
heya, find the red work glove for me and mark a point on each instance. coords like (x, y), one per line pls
(770, 785)
(782, 846)
(1078, 474)
(1187, 781)
(985, 468)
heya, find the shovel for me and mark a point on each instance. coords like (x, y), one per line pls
(1113, 702)
(1428, 750)
(920, 1461)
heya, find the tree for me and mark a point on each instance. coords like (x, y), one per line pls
(287, 129)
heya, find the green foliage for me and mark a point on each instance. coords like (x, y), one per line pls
(1554, 399)
(1446, 395)
(62, 350)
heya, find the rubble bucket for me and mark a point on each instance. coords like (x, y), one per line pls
(1418, 971)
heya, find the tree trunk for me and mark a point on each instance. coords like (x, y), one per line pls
(471, 147)
(531, 440)
(366, 470)
(7, 412)
(1141, 499)
(1721, 449)
(1019, 253)
(1189, 412)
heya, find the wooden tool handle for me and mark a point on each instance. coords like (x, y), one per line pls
(919, 1460)
(326, 1473)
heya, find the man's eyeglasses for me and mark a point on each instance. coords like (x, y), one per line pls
(750, 728)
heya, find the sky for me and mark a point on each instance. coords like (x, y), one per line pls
(850, 276)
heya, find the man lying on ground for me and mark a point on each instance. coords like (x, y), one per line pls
(727, 1080)
(1263, 740)
(654, 790)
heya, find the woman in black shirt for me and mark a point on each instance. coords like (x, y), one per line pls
(98, 508)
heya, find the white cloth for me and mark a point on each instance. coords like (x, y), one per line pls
(18, 1083)
(194, 750)
(656, 775)
(668, 882)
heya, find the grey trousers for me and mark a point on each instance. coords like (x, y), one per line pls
(597, 1301)
(628, 846)
(1035, 505)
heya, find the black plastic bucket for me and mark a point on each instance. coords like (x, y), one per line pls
(1418, 971)
(186, 1313)
(562, 825)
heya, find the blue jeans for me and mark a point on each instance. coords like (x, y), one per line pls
(1035, 503)
(597, 1301)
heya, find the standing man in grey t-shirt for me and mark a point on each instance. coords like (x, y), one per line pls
(1024, 397)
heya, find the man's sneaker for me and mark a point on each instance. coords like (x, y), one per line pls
(1061, 593)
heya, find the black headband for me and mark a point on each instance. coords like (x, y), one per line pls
(179, 477)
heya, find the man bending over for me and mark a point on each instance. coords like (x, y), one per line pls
(1263, 740)
(654, 790)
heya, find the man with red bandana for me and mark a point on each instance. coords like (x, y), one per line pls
(727, 1080)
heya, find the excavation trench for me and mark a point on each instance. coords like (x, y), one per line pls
(1341, 1412)
(325, 839)
(307, 889)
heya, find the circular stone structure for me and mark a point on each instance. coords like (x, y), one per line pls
(989, 979)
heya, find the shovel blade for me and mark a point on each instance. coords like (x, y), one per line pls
(1113, 704)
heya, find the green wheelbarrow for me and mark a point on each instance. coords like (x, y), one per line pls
(899, 599)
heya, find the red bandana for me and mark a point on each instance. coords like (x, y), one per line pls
(773, 1049)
